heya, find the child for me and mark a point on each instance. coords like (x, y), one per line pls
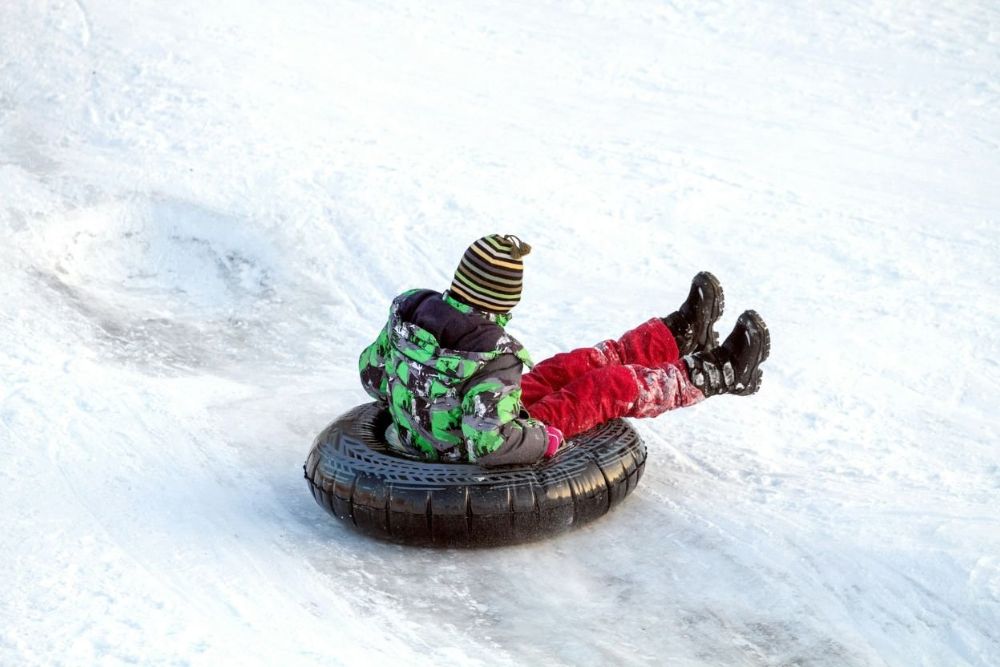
(451, 375)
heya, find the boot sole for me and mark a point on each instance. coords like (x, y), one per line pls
(753, 386)
(705, 280)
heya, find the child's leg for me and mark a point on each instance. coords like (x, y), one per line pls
(616, 391)
(649, 344)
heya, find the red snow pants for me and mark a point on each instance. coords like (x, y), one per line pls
(638, 375)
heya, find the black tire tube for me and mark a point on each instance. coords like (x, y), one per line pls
(352, 475)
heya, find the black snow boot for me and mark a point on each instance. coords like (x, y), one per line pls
(692, 323)
(733, 367)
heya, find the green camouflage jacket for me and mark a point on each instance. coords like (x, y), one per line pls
(451, 377)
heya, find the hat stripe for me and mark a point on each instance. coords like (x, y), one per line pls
(498, 251)
(478, 287)
(495, 242)
(501, 283)
(486, 288)
(509, 264)
(478, 262)
(494, 306)
(493, 245)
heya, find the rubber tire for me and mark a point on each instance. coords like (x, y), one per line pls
(354, 477)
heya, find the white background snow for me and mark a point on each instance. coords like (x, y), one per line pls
(205, 209)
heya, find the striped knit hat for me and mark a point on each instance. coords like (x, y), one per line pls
(489, 276)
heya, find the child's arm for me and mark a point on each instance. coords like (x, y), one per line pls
(372, 367)
(494, 433)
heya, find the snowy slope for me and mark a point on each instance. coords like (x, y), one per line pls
(205, 209)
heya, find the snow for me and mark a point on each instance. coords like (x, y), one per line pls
(206, 208)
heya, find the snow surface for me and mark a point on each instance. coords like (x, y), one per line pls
(205, 209)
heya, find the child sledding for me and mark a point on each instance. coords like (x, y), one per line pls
(451, 375)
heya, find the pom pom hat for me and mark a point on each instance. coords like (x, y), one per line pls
(490, 275)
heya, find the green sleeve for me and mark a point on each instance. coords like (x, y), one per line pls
(372, 367)
(493, 432)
